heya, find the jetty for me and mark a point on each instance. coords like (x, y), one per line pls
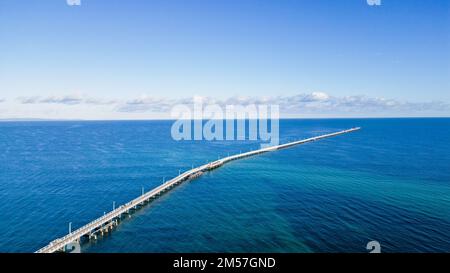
(108, 221)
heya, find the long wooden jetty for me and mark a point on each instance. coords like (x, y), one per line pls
(108, 221)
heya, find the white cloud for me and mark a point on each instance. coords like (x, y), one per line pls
(69, 100)
(311, 103)
(66, 100)
(305, 104)
(147, 104)
(28, 100)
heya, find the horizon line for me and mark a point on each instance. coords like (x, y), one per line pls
(170, 119)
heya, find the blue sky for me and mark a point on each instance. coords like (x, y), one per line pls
(99, 59)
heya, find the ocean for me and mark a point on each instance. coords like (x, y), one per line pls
(388, 182)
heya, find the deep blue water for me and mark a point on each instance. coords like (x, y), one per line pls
(388, 182)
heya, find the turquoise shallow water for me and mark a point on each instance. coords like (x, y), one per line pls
(389, 182)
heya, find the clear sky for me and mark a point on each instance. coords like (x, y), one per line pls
(103, 58)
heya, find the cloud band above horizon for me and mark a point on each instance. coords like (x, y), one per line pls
(309, 104)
